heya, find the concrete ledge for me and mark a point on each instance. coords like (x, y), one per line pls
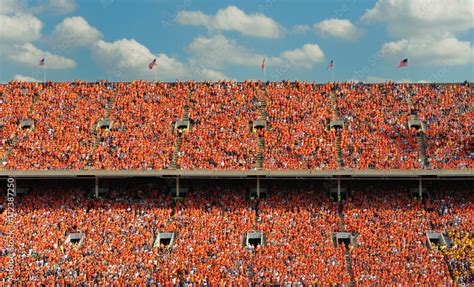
(469, 173)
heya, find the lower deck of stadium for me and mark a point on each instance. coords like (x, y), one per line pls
(219, 232)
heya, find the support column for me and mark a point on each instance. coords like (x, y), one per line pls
(338, 188)
(96, 187)
(258, 187)
(420, 188)
(177, 186)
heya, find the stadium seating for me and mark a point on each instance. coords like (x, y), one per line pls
(299, 137)
(391, 235)
(130, 126)
(297, 221)
(220, 137)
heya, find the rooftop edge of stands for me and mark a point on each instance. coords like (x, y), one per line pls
(237, 82)
(240, 173)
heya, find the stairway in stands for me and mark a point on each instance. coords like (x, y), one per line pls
(445, 259)
(347, 255)
(250, 271)
(339, 149)
(420, 139)
(262, 107)
(179, 136)
(340, 163)
(261, 148)
(95, 145)
(177, 149)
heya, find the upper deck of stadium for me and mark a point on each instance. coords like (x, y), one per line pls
(244, 128)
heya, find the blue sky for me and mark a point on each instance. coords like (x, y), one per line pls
(116, 39)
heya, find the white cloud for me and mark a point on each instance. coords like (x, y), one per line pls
(304, 57)
(233, 19)
(55, 7)
(209, 74)
(29, 55)
(75, 32)
(338, 28)
(301, 28)
(427, 30)
(12, 6)
(128, 59)
(22, 78)
(421, 17)
(446, 50)
(19, 28)
(217, 51)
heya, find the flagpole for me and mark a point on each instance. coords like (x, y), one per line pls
(264, 74)
(156, 75)
(44, 73)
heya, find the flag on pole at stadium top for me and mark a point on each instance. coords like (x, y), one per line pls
(41, 62)
(403, 63)
(263, 64)
(331, 65)
(152, 64)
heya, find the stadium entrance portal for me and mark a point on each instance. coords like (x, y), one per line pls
(75, 239)
(254, 238)
(165, 239)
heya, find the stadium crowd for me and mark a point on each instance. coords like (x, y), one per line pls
(220, 136)
(390, 230)
(297, 137)
(451, 212)
(297, 222)
(377, 135)
(141, 136)
(209, 223)
(450, 119)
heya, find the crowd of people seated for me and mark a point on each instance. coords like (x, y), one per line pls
(15, 104)
(390, 231)
(377, 135)
(142, 135)
(63, 116)
(449, 115)
(297, 135)
(220, 136)
(451, 212)
(297, 220)
(447, 209)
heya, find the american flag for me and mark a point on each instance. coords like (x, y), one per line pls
(263, 64)
(403, 63)
(152, 64)
(331, 65)
(41, 62)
